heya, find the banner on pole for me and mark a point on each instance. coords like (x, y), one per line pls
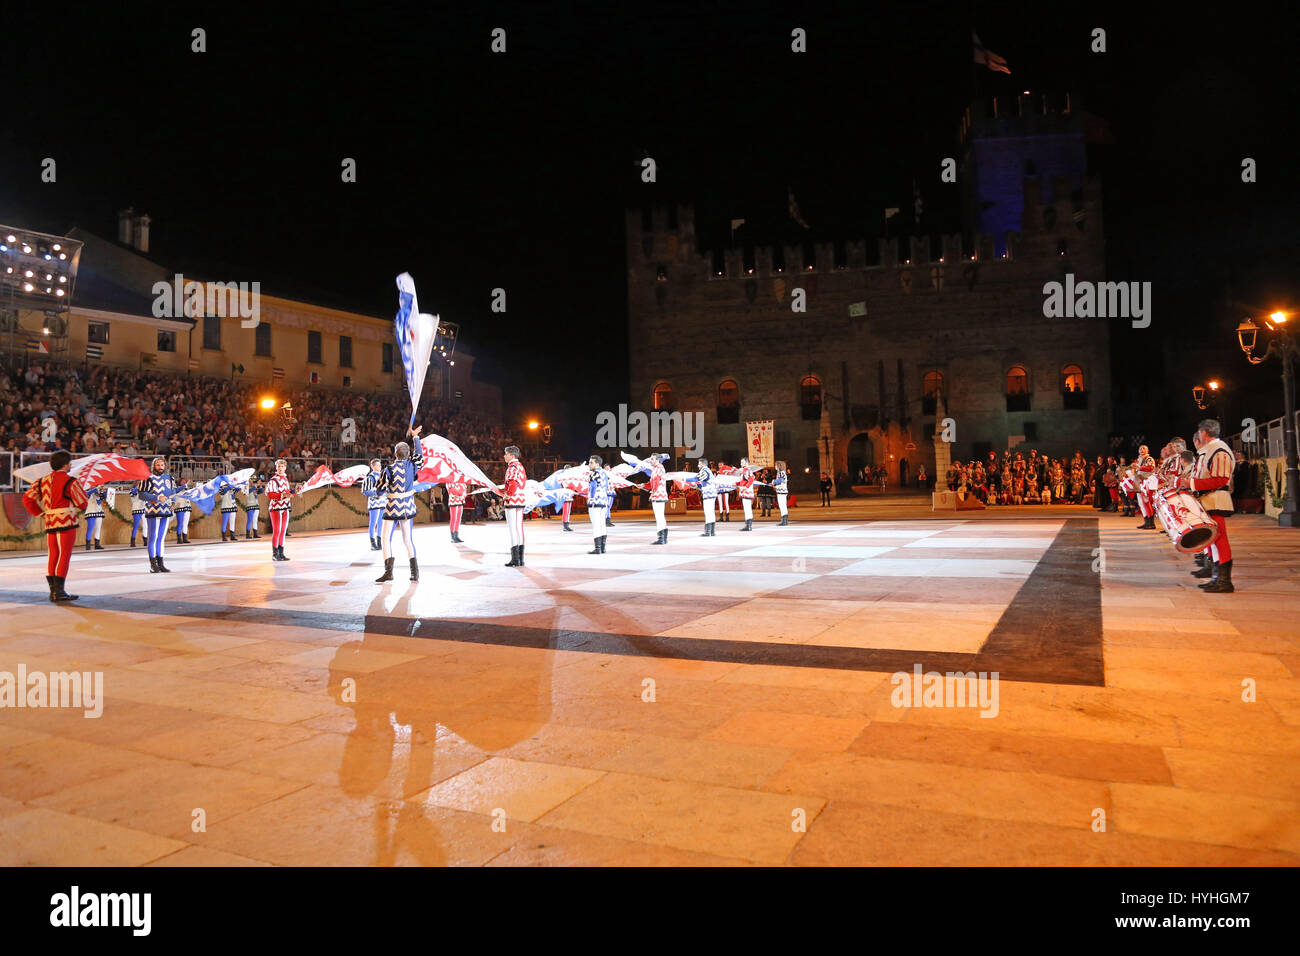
(759, 435)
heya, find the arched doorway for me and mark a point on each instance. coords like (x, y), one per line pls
(862, 458)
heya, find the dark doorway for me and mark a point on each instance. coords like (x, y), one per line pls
(862, 458)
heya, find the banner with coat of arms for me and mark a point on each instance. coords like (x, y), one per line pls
(759, 435)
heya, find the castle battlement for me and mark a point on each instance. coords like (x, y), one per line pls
(669, 246)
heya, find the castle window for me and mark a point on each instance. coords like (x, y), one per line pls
(663, 397)
(778, 258)
(747, 260)
(661, 275)
(728, 403)
(719, 267)
(810, 397)
(1073, 395)
(841, 254)
(647, 220)
(1018, 396)
(931, 387)
(809, 257)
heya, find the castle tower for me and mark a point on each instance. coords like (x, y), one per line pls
(1011, 140)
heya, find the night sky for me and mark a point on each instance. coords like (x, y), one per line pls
(478, 171)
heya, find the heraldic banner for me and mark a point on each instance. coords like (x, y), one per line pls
(759, 435)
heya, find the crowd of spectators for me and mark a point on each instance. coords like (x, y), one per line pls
(1015, 478)
(140, 413)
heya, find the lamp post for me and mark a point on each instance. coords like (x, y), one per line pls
(1283, 346)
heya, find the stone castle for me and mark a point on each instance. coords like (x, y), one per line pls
(891, 329)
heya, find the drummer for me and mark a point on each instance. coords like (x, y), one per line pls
(1211, 482)
(1144, 467)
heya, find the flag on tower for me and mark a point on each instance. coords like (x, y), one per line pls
(415, 337)
(988, 58)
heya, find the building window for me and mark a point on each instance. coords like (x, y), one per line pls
(387, 357)
(212, 332)
(97, 332)
(166, 341)
(1072, 388)
(262, 340)
(931, 388)
(313, 347)
(728, 403)
(812, 461)
(345, 351)
(1017, 389)
(810, 398)
(663, 397)
(778, 258)
(782, 439)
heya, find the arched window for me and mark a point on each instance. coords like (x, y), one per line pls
(810, 397)
(728, 402)
(663, 397)
(1017, 389)
(931, 388)
(1075, 398)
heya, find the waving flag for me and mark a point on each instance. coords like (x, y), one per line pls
(416, 333)
(637, 465)
(214, 486)
(537, 495)
(444, 461)
(987, 57)
(93, 470)
(322, 476)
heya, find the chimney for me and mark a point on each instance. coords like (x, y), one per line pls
(125, 219)
(141, 240)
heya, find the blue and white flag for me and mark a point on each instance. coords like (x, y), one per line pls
(214, 486)
(416, 333)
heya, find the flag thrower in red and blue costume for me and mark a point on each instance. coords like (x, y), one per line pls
(416, 334)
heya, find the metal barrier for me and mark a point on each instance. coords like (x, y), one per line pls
(1269, 442)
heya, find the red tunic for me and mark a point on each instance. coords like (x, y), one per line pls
(658, 486)
(456, 493)
(281, 495)
(515, 480)
(746, 484)
(57, 497)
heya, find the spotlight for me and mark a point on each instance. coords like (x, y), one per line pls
(268, 403)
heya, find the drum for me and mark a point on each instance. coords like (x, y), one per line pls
(1188, 525)
(1128, 485)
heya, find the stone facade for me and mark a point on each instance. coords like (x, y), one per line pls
(697, 320)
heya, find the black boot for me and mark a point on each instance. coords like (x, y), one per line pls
(87, 545)
(785, 520)
(1222, 583)
(749, 525)
(49, 580)
(153, 565)
(521, 556)
(283, 556)
(566, 526)
(248, 534)
(57, 594)
(713, 529)
(162, 567)
(659, 537)
(595, 546)
(100, 547)
(1213, 574)
(1205, 571)
(514, 557)
(705, 532)
(603, 537)
(133, 541)
(388, 572)
(1201, 559)
(415, 570)
(256, 536)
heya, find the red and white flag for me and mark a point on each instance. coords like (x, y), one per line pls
(93, 470)
(344, 479)
(444, 461)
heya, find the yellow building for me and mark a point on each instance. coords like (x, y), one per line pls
(128, 310)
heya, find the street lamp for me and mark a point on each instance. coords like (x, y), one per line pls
(1283, 346)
